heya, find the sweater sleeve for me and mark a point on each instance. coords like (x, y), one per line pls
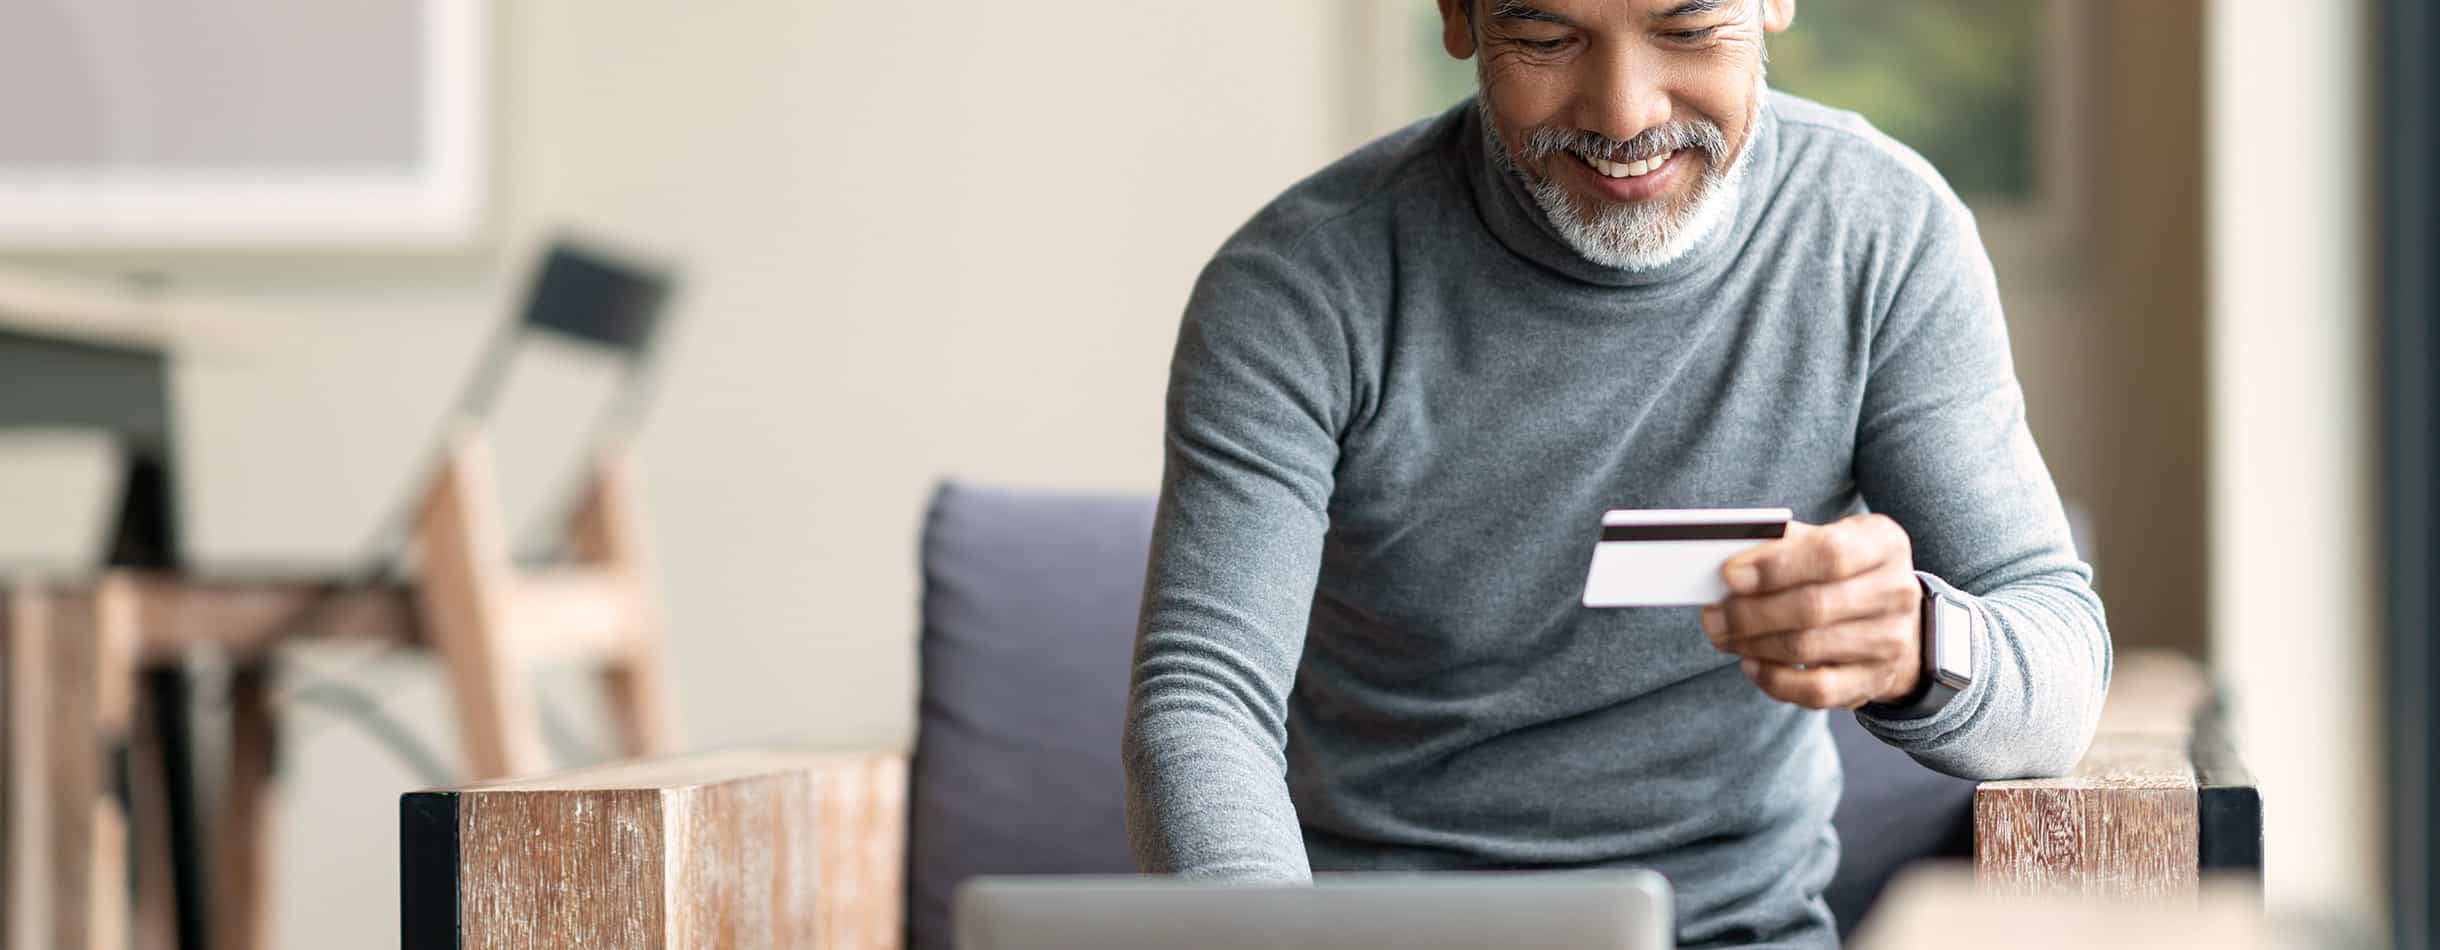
(1258, 391)
(1943, 448)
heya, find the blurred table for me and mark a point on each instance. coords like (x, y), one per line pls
(132, 312)
(87, 715)
(87, 775)
(98, 698)
(97, 725)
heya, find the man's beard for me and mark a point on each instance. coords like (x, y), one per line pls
(1637, 235)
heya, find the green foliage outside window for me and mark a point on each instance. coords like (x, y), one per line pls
(1955, 79)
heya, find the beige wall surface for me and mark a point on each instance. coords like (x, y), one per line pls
(919, 239)
(2295, 585)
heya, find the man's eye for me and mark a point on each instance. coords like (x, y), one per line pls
(1543, 46)
(1692, 36)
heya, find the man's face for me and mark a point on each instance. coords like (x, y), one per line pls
(1626, 118)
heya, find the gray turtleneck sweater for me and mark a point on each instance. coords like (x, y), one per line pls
(1397, 409)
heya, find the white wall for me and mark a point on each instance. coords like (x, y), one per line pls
(920, 239)
(2295, 595)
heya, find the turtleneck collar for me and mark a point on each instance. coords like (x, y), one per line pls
(1508, 209)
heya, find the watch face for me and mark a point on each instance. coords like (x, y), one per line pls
(1953, 641)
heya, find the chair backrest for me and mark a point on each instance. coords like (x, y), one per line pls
(585, 295)
(604, 305)
(1029, 613)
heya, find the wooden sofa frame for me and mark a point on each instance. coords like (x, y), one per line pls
(791, 848)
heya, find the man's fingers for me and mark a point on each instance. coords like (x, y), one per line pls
(1814, 553)
(1808, 606)
(1859, 642)
(1814, 687)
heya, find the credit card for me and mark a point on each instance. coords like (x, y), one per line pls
(1671, 557)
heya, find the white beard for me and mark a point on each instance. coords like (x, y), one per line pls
(1645, 235)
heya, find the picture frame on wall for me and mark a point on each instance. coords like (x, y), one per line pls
(1996, 93)
(167, 124)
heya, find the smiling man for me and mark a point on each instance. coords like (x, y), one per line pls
(1624, 276)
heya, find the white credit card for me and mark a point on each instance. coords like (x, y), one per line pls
(1671, 557)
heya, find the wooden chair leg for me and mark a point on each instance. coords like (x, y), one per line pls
(242, 878)
(638, 687)
(640, 700)
(465, 596)
(93, 665)
(26, 632)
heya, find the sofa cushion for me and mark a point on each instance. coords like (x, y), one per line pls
(1029, 606)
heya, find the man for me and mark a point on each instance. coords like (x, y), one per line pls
(1626, 276)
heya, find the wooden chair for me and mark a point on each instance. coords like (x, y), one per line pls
(492, 623)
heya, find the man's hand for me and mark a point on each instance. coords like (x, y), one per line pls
(1828, 617)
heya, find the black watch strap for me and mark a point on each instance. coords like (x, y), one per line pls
(1932, 693)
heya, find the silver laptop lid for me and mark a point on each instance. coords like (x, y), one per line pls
(1588, 910)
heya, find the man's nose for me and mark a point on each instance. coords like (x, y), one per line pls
(1622, 93)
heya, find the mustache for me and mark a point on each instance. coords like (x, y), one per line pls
(1650, 143)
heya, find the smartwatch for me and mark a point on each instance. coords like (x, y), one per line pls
(1947, 654)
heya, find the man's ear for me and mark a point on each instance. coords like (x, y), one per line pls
(1457, 28)
(1776, 14)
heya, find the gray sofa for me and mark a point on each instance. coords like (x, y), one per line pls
(1029, 607)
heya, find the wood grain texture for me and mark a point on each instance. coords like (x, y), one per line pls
(2124, 822)
(738, 849)
(546, 869)
(862, 833)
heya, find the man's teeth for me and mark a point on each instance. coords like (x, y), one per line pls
(1636, 169)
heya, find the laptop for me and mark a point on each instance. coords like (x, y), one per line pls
(1573, 910)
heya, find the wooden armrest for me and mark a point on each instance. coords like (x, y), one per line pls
(2159, 798)
(756, 848)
